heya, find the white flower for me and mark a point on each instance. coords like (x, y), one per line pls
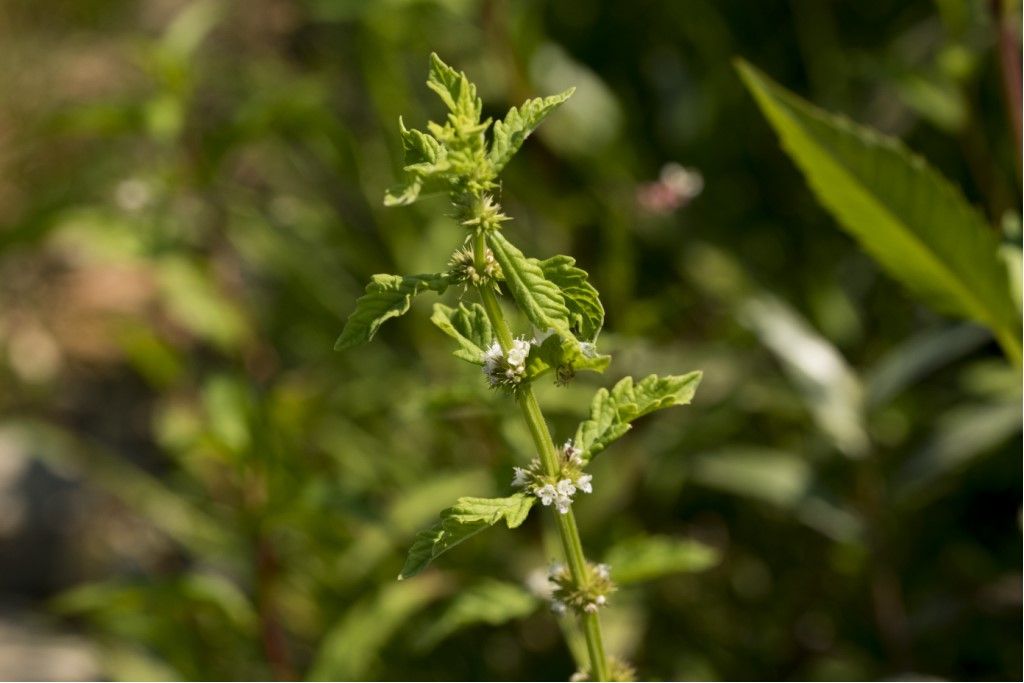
(600, 600)
(604, 570)
(558, 607)
(521, 478)
(492, 355)
(583, 483)
(566, 488)
(516, 356)
(547, 494)
(563, 503)
(555, 568)
(590, 608)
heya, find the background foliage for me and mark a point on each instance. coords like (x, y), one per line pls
(194, 485)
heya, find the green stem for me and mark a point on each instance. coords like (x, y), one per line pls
(568, 531)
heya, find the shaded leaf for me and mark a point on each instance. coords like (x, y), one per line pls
(905, 214)
(649, 557)
(353, 644)
(612, 411)
(488, 602)
(469, 516)
(468, 326)
(387, 296)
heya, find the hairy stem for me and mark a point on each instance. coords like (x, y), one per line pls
(568, 531)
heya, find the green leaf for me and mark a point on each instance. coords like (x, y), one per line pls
(425, 157)
(512, 131)
(387, 296)
(468, 326)
(455, 90)
(649, 557)
(469, 516)
(539, 298)
(586, 314)
(612, 411)
(352, 646)
(906, 215)
(445, 81)
(489, 602)
(566, 356)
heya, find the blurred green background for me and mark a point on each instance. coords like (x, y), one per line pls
(194, 485)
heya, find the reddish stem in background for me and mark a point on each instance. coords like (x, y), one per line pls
(275, 642)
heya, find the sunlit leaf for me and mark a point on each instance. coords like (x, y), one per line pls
(469, 326)
(540, 299)
(611, 412)
(586, 314)
(649, 557)
(512, 131)
(905, 214)
(469, 516)
(387, 296)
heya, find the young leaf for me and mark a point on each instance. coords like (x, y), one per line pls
(517, 125)
(612, 411)
(539, 298)
(468, 326)
(489, 601)
(387, 296)
(586, 314)
(454, 89)
(650, 557)
(906, 215)
(467, 517)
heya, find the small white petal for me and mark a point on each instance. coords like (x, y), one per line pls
(604, 570)
(600, 600)
(558, 607)
(583, 483)
(563, 503)
(590, 608)
(566, 487)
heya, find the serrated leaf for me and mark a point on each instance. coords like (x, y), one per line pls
(650, 557)
(468, 326)
(456, 91)
(906, 215)
(611, 412)
(469, 516)
(539, 298)
(566, 356)
(489, 602)
(444, 80)
(387, 296)
(586, 314)
(512, 131)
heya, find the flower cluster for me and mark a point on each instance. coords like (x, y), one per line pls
(588, 596)
(462, 269)
(557, 491)
(506, 370)
(618, 670)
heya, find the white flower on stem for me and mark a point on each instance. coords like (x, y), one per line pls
(583, 483)
(600, 600)
(558, 607)
(604, 570)
(521, 478)
(566, 488)
(516, 356)
(563, 503)
(555, 568)
(590, 608)
(547, 494)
